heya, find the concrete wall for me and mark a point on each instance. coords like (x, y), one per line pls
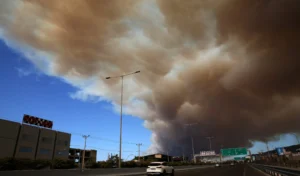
(93, 155)
(46, 144)
(9, 132)
(62, 145)
(27, 142)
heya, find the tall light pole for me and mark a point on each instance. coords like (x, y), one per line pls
(192, 140)
(121, 118)
(83, 154)
(210, 138)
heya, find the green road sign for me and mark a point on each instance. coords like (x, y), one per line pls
(234, 151)
(239, 158)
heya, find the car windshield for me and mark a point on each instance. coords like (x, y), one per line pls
(155, 164)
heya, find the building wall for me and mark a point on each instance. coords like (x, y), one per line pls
(31, 142)
(27, 142)
(62, 145)
(93, 155)
(90, 155)
(45, 144)
(9, 132)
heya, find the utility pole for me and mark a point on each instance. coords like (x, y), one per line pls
(210, 138)
(192, 140)
(268, 148)
(221, 153)
(168, 155)
(83, 154)
(250, 155)
(139, 145)
(121, 111)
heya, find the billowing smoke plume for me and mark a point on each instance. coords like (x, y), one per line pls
(231, 67)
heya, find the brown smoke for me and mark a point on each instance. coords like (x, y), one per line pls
(230, 66)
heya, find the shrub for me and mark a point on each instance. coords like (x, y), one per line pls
(63, 164)
(23, 164)
(105, 164)
(92, 165)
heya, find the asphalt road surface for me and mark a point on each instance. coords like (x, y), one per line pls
(237, 170)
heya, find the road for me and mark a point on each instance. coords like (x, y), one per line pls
(238, 170)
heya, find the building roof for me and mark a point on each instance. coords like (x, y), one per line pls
(82, 149)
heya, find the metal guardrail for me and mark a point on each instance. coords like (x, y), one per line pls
(277, 171)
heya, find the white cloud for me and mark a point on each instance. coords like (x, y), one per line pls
(23, 72)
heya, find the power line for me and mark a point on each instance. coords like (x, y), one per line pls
(110, 150)
(106, 139)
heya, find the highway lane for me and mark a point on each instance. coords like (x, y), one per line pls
(238, 170)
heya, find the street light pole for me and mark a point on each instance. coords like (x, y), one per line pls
(121, 111)
(121, 125)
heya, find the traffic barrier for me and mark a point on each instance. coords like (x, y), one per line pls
(276, 171)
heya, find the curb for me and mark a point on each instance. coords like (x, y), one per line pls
(132, 174)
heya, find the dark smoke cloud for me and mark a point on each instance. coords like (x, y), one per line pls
(230, 66)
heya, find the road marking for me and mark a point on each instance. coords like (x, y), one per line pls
(184, 169)
(244, 173)
(144, 173)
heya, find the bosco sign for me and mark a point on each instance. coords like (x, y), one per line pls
(32, 120)
(207, 153)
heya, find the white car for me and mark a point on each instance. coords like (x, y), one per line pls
(218, 165)
(160, 168)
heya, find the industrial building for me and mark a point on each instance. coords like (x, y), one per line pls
(156, 157)
(76, 155)
(32, 142)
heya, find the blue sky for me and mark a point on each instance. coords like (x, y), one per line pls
(24, 89)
